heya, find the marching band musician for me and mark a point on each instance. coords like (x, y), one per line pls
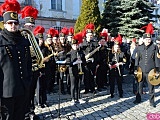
(102, 62)
(116, 60)
(30, 14)
(63, 50)
(146, 58)
(41, 83)
(88, 46)
(76, 58)
(15, 64)
(50, 62)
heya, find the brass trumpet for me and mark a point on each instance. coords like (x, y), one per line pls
(79, 66)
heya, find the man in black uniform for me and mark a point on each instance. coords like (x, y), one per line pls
(147, 60)
(88, 46)
(102, 63)
(30, 13)
(15, 64)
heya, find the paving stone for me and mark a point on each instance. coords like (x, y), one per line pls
(100, 106)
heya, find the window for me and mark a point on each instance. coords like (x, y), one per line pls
(57, 28)
(56, 4)
(28, 2)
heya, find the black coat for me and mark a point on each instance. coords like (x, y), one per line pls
(113, 60)
(146, 57)
(15, 64)
(71, 57)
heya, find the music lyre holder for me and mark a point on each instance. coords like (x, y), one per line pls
(59, 92)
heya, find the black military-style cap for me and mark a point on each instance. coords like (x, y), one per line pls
(146, 35)
(10, 16)
(74, 41)
(30, 20)
(61, 35)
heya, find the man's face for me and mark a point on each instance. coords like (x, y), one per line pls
(89, 36)
(69, 38)
(74, 46)
(62, 40)
(11, 26)
(102, 42)
(49, 41)
(41, 40)
(29, 26)
(158, 43)
(147, 41)
(54, 39)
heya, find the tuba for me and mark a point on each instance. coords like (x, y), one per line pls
(35, 50)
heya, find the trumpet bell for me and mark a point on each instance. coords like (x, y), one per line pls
(152, 79)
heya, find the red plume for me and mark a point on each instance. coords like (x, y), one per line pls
(50, 32)
(118, 39)
(65, 31)
(10, 5)
(71, 30)
(83, 33)
(55, 33)
(90, 26)
(38, 29)
(78, 37)
(149, 28)
(104, 33)
(29, 11)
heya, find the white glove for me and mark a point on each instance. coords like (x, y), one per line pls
(77, 62)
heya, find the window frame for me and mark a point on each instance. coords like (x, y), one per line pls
(56, 5)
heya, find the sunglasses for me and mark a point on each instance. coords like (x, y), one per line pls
(10, 23)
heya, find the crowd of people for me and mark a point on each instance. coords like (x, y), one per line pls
(30, 62)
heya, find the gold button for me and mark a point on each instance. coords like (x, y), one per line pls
(21, 72)
(21, 77)
(19, 57)
(18, 51)
(19, 62)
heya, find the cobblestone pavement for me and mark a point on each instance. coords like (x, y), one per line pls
(100, 106)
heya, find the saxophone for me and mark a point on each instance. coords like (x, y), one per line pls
(35, 50)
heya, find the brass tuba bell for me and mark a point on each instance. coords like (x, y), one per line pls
(35, 50)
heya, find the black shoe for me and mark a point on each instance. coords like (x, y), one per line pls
(136, 102)
(86, 92)
(93, 91)
(121, 96)
(152, 105)
(112, 96)
(42, 106)
(99, 89)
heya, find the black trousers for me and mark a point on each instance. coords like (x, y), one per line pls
(42, 90)
(151, 88)
(101, 76)
(112, 81)
(75, 87)
(15, 107)
(89, 83)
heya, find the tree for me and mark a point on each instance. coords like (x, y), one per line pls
(89, 14)
(136, 14)
(110, 16)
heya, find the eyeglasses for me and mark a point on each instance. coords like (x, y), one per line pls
(10, 23)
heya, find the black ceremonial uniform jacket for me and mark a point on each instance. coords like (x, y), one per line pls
(103, 57)
(146, 57)
(113, 60)
(15, 64)
(88, 47)
(71, 57)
